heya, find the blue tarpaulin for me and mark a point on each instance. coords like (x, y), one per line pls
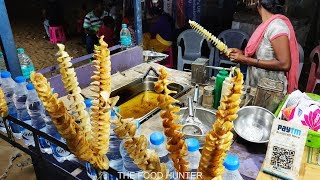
(193, 10)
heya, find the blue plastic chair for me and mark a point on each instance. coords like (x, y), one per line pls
(192, 48)
(233, 38)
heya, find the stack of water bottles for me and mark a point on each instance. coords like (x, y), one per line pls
(8, 85)
(25, 62)
(24, 104)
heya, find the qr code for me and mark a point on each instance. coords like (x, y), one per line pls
(282, 158)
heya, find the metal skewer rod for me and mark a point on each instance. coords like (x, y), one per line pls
(219, 68)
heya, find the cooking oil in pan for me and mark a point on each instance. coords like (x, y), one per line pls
(139, 105)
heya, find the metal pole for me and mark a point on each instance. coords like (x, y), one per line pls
(138, 21)
(7, 43)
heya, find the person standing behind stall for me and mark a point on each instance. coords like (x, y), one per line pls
(92, 23)
(272, 51)
(160, 33)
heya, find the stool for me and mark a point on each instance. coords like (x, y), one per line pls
(57, 34)
(169, 60)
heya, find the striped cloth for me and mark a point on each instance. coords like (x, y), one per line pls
(92, 22)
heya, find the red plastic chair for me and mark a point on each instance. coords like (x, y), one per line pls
(169, 60)
(57, 34)
(314, 75)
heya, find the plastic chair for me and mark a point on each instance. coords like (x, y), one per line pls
(314, 75)
(57, 34)
(169, 60)
(192, 48)
(233, 38)
(301, 59)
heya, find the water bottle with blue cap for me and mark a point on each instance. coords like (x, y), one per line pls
(157, 143)
(8, 86)
(129, 168)
(114, 154)
(88, 104)
(37, 113)
(20, 99)
(25, 63)
(194, 156)
(231, 164)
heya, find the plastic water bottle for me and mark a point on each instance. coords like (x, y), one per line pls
(88, 104)
(193, 157)
(25, 63)
(129, 168)
(58, 152)
(37, 114)
(8, 86)
(89, 168)
(2, 63)
(19, 99)
(125, 37)
(231, 164)
(113, 154)
(157, 144)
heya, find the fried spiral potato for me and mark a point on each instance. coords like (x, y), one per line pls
(137, 148)
(219, 139)
(210, 37)
(101, 87)
(175, 145)
(71, 84)
(65, 123)
(3, 105)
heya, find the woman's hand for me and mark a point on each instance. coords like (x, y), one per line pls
(236, 55)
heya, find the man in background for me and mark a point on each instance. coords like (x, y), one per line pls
(92, 23)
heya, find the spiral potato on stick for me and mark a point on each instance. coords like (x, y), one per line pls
(175, 144)
(137, 148)
(219, 139)
(101, 86)
(65, 123)
(210, 37)
(3, 105)
(71, 84)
